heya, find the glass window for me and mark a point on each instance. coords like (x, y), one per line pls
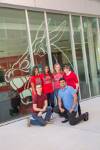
(59, 33)
(14, 62)
(38, 37)
(93, 54)
(79, 56)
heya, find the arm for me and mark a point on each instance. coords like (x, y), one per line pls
(40, 109)
(60, 105)
(36, 108)
(77, 86)
(33, 87)
(76, 80)
(75, 102)
(45, 106)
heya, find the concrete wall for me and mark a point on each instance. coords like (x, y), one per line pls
(78, 6)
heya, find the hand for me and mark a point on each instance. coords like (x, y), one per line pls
(62, 110)
(40, 114)
(44, 109)
(71, 110)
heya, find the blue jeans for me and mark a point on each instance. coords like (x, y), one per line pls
(50, 97)
(56, 97)
(36, 120)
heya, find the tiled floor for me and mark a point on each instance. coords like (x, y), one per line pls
(55, 136)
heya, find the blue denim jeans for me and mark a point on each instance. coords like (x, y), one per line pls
(56, 97)
(50, 97)
(36, 120)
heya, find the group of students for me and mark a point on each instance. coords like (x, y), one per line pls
(61, 85)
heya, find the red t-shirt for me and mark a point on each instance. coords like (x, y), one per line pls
(56, 77)
(39, 100)
(36, 80)
(47, 83)
(71, 79)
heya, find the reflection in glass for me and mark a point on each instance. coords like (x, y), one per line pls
(14, 62)
(59, 33)
(92, 51)
(38, 37)
(79, 56)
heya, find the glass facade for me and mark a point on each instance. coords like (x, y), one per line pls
(24, 38)
(92, 51)
(79, 57)
(60, 42)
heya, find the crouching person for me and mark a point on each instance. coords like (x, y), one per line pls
(40, 106)
(68, 104)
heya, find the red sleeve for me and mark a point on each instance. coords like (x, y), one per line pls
(64, 76)
(32, 79)
(75, 77)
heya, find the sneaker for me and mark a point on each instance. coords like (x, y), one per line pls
(28, 122)
(64, 121)
(86, 117)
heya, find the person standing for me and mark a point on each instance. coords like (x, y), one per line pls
(56, 76)
(48, 86)
(35, 79)
(68, 104)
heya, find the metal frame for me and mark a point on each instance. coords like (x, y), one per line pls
(98, 26)
(84, 55)
(29, 39)
(73, 48)
(73, 44)
(48, 43)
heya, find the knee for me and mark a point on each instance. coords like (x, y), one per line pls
(49, 108)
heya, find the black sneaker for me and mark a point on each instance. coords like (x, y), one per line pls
(86, 117)
(64, 121)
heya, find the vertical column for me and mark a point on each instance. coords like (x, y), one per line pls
(92, 58)
(29, 40)
(98, 44)
(73, 45)
(48, 42)
(73, 48)
(84, 55)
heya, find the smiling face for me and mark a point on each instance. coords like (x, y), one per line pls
(66, 69)
(39, 89)
(46, 69)
(62, 83)
(57, 68)
(36, 71)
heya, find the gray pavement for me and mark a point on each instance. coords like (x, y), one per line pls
(55, 136)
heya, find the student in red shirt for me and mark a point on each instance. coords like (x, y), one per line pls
(48, 86)
(57, 75)
(35, 79)
(71, 80)
(40, 106)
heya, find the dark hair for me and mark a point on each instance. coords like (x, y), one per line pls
(33, 70)
(48, 68)
(61, 79)
(67, 66)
